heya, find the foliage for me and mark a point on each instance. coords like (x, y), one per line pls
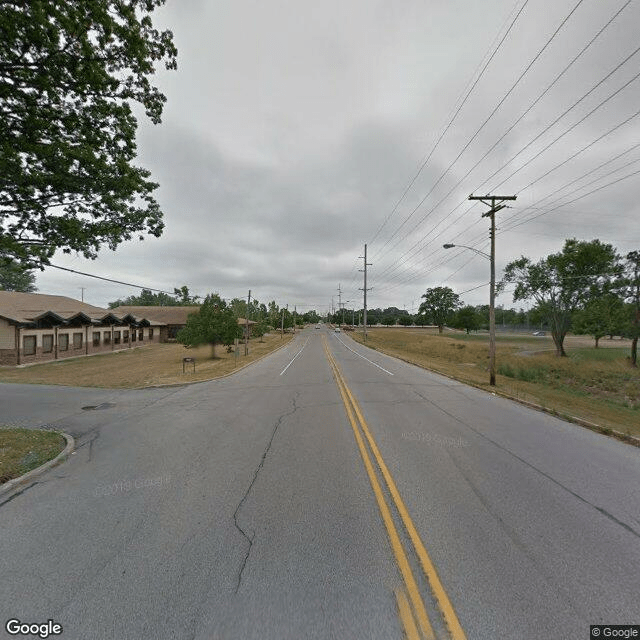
(69, 73)
(215, 323)
(149, 299)
(467, 318)
(14, 277)
(600, 316)
(439, 305)
(563, 282)
(631, 292)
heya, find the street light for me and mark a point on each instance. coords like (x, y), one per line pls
(492, 316)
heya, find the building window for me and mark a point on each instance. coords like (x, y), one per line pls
(63, 342)
(116, 337)
(150, 334)
(134, 335)
(106, 338)
(29, 345)
(77, 341)
(141, 335)
(47, 343)
(125, 336)
(96, 338)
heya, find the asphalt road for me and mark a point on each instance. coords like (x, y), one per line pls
(241, 508)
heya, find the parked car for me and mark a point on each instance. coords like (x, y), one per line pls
(539, 333)
(337, 330)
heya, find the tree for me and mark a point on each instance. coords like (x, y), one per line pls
(14, 277)
(69, 73)
(215, 323)
(631, 292)
(439, 305)
(467, 318)
(149, 299)
(562, 282)
(600, 316)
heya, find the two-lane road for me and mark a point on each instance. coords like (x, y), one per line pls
(254, 507)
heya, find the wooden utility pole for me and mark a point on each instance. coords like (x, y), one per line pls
(364, 289)
(246, 334)
(490, 201)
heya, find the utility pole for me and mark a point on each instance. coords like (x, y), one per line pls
(340, 304)
(282, 325)
(82, 293)
(295, 308)
(490, 201)
(246, 331)
(364, 289)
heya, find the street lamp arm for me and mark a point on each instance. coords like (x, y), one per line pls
(464, 246)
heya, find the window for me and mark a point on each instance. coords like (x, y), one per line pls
(133, 335)
(96, 338)
(141, 335)
(29, 345)
(116, 337)
(106, 338)
(77, 341)
(63, 342)
(125, 336)
(47, 343)
(150, 334)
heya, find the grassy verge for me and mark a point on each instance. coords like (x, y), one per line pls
(596, 385)
(22, 450)
(150, 365)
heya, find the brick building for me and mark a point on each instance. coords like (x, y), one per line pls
(36, 327)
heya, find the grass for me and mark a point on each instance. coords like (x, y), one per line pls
(22, 450)
(597, 385)
(143, 366)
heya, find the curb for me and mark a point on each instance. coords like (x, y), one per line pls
(59, 459)
(224, 375)
(592, 426)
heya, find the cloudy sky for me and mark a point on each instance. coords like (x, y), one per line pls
(293, 130)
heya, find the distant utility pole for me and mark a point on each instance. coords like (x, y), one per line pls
(339, 303)
(82, 293)
(282, 325)
(364, 289)
(246, 331)
(295, 308)
(490, 201)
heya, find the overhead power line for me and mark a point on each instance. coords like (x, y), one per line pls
(448, 126)
(481, 127)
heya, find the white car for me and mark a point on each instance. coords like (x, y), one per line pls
(337, 330)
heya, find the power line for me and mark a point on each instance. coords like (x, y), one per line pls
(446, 129)
(477, 132)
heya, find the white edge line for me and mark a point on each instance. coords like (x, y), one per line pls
(361, 356)
(294, 357)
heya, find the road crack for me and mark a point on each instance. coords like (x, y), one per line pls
(249, 537)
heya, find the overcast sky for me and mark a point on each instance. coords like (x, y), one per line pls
(293, 128)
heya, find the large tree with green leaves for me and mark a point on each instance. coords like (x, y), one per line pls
(215, 323)
(70, 74)
(15, 277)
(563, 282)
(147, 298)
(467, 318)
(600, 316)
(631, 292)
(439, 305)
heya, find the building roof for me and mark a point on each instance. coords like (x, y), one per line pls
(162, 315)
(27, 308)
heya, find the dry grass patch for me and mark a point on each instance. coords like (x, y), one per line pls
(143, 366)
(22, 450)
(597, 385)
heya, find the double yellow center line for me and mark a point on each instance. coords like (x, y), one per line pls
(413, 613)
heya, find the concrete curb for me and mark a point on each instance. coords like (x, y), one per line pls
(224, 375)
(59, 459)
(606, 431)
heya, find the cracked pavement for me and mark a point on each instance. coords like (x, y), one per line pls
(240, 508)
